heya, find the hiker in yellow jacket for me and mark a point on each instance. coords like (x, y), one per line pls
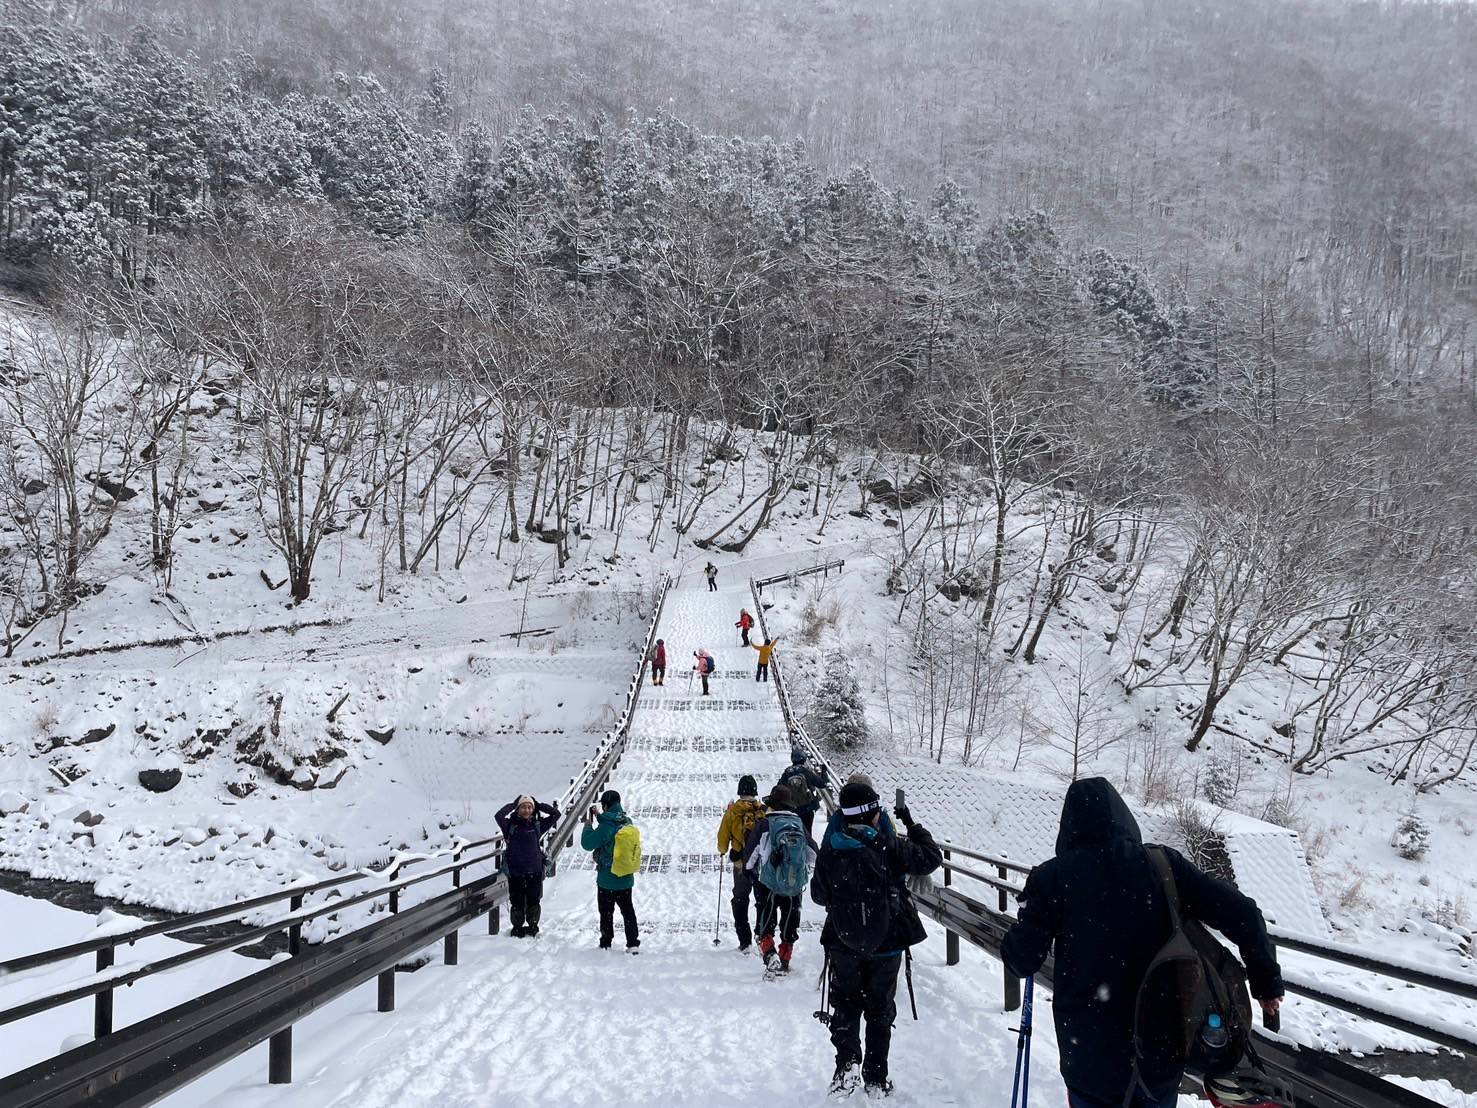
(765, 653)
(739, 818)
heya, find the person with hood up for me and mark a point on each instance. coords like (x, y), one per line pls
(524, 823)
(861, 881)
(611, 891)
(777, 911)
(740, 818)
(1100, 903)
(710, 571)
(806, 786)
(659, 662)
(745, 622)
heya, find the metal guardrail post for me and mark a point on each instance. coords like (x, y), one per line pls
(1012, 983)
(102, 1006)
(279, 1058)
(449, 944)
(951, 938)
(387, 978)
(295, 932)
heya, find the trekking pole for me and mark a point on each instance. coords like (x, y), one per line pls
(718, 914)
(1022, 1082)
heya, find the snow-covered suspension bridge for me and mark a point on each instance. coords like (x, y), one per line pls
(501, 1021)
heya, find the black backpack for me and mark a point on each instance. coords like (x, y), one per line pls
(1191, 977)
(866, 898)
(802, 792)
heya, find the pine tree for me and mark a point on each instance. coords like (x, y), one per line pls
(838, 716)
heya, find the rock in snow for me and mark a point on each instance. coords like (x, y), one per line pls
(159, 780)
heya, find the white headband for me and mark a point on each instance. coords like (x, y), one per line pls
(861, 809)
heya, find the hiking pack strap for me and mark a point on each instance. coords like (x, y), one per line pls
(908, 975)
(1160, 861)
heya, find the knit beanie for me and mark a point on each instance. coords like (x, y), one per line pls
(797, 756)
(612, 799)
(521, 799)
(858, 801)
(748, 786)
(859, 778)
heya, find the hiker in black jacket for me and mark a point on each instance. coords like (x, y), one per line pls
(860, 879)
(1102, 905)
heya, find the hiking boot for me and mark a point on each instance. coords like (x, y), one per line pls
(772, 960)
(531, 931)
(845, 1080)
(744, 948)
(786, 949)
(517, 932)
(876, 1090)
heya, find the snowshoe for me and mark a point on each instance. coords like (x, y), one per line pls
(1244, 1090)
(845, 1080)
(876, 1090)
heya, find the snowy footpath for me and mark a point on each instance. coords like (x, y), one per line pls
(554, 1020)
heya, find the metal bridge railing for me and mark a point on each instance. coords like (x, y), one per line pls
(1318, 1079)
(148, 1059)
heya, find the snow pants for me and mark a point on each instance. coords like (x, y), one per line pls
(1141, 1100)
(525, 897)
(762, 673)
(658, 674)
(777, 913)
(863, 986)
(713, 584)
(743, 886)
(744, 634)
(608, 900)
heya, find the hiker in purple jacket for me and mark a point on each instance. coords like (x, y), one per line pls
(524, 824)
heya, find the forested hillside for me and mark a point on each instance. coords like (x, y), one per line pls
(1147, 274)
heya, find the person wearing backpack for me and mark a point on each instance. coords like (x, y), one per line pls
(739, 819)
(705, 667)
(805, 786)
(710, 571)
(871, 921)
(659, 663)
(524, 823)
(778, 855)
(610, 835)
(1103, 903)
(766, 652)
(745, 622)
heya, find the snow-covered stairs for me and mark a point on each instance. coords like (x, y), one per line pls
(555, 1020)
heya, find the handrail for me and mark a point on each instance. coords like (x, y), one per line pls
(1321, 1082)
(441, 917)
(1448, 983)
(824, 568)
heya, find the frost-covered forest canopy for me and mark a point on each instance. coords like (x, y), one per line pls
(1189, 286)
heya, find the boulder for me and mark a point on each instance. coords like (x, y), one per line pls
(12, 803)
(381, 737)
(159, 780)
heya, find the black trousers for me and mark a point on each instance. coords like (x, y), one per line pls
(704, 676)
(863, 986)
(525, 897)
(743, 886)
(712, 584)
(762, 673)
(608, 900)
(777, 914)
(658, 674)
(744, 634)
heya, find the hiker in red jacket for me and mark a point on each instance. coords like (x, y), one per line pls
(745, 621)
(659, 663)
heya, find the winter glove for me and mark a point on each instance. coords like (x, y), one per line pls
(904, 816)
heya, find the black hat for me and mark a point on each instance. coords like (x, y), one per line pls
(858, 800)
(748, 786)
(612, 799)
(779, 799)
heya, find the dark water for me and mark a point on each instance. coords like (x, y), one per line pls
(81, 898)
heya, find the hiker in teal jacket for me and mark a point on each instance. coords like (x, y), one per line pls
(611, 892)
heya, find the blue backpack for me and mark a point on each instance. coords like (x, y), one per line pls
(785, 870)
